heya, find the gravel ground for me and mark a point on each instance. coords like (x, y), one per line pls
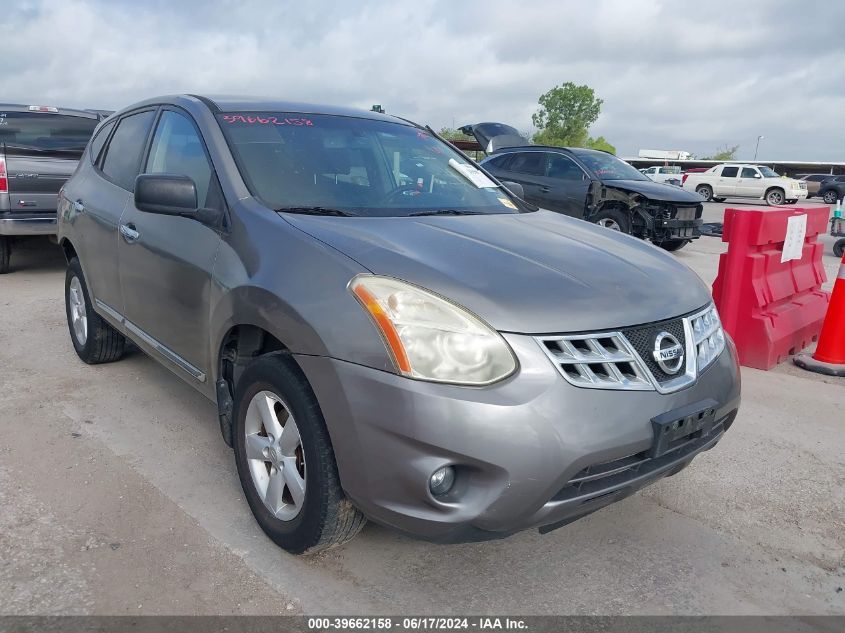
(119, 497)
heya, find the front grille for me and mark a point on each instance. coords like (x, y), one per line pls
(601, 479)
(603, 361)
(642, 339)
(625, 359)
(686, 213)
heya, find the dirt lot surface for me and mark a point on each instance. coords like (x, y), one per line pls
(118, 496)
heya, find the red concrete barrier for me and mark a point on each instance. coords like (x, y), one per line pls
(771, 308)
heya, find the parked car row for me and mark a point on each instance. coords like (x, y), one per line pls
(388, 331)
(39, 150)
(828, 187)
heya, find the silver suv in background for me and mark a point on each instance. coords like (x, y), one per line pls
(387, 332)
(39, 150)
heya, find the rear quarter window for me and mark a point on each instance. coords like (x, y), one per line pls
(100, 140)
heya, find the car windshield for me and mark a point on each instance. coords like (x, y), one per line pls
(46, 131)
(323, 164)
(768, 172)
(607, 166)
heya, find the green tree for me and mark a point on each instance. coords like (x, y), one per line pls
(600, 143)
(452, 134)
(726, 153)
(565, 115)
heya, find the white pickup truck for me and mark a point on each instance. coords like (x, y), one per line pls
(745, 181)
(670, 174)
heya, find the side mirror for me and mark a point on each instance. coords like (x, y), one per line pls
(515, 188)
(166, 194)
(757, 176)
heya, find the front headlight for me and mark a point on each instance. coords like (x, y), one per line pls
(431, 338)
(708, 336)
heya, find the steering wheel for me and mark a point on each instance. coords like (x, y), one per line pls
(402, 189)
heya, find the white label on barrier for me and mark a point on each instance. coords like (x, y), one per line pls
(793, 245)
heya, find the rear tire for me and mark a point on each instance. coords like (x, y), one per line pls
(5, 254)
(775, 197)
(673, 245)
(306, 511)
(839, 247)
(94, 340)
(613, 219)
(705, 191)
(719, 199)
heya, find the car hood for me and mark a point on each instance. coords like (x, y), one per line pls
(656, 190)
(532, 273)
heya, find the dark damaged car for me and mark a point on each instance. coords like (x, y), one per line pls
(591, 185)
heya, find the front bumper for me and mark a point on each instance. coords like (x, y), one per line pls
(27, 225)
(680, 229)
(531, 451)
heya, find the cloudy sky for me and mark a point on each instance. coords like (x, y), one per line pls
(673, 75)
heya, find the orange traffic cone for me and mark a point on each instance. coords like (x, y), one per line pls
(829, 357)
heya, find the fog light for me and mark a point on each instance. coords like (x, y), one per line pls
(441, 481)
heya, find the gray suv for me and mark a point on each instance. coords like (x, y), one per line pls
(387, 332)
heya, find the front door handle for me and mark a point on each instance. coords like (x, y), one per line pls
(129, 233)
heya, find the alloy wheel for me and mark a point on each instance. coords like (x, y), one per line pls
(275, 455)
(609, 223)
(78, 313)
(774, 198)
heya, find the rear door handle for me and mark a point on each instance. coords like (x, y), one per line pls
(130, 235)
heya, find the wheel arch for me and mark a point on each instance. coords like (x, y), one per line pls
(68, 249)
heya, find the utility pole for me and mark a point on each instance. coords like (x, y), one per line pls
(756, 147)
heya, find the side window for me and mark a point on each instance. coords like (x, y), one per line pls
(123, 154)
(563, 168)
(528, 163)
(100, 140)
(177, 149)
(499, 162)
(748, 172)
(729, 172)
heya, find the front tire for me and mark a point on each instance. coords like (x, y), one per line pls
(705, 191)
(5, 254)
(774, 197)
(673, 245)
(829, 197)
(94, 340)
(286, 462)
(613, 219)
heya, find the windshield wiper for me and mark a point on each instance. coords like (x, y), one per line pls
(445, 212)
(316, 211)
